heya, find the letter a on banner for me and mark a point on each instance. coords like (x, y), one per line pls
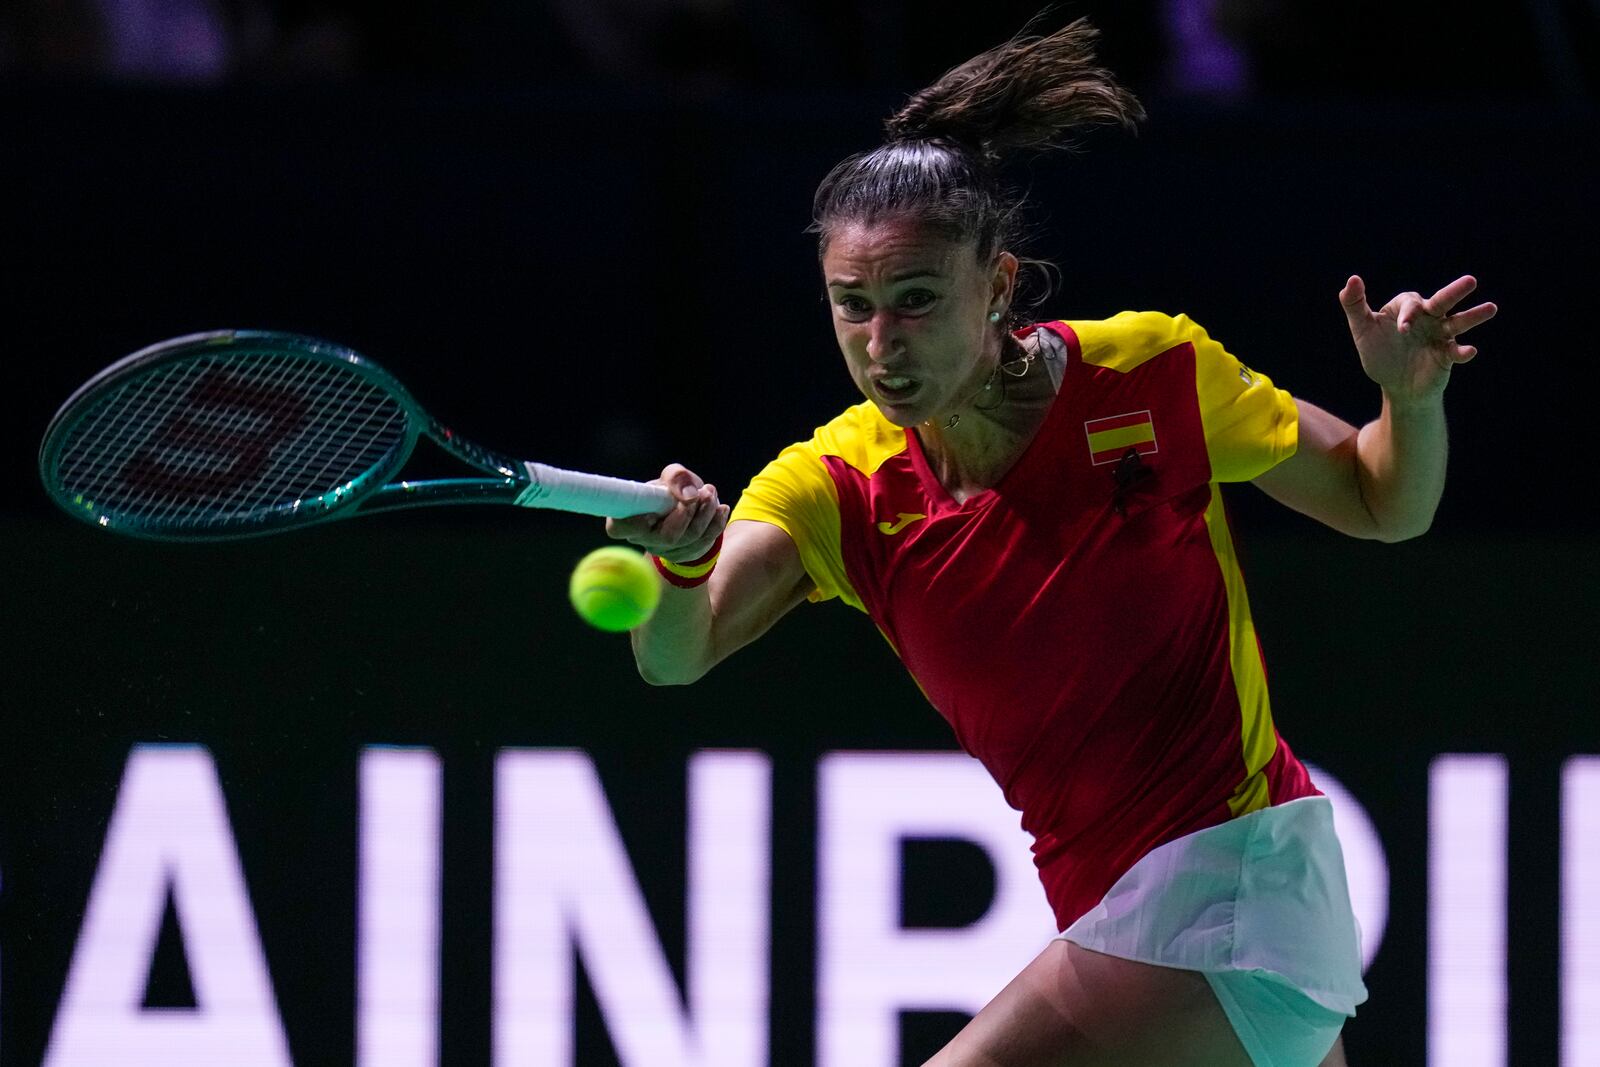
(168, 834)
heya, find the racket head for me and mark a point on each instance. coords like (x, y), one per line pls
(227, 434)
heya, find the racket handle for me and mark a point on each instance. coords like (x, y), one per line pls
(591, 494)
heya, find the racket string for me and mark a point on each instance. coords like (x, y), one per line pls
(102, 457)
(128, 435)
(225, 498)
(187, 433)
(350, 450)
(330, 403)
(176, 469)
(279, 377)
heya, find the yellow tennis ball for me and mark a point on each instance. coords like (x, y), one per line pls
(614, 589)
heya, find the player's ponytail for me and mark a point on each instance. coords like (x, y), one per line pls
(940, 166)
(1028, 93)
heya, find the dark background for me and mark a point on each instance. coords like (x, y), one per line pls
(594, 256)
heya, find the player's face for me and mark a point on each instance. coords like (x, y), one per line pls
(911, 313)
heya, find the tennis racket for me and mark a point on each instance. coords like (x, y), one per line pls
(238, 433)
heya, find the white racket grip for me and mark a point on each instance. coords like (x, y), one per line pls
(591, 494)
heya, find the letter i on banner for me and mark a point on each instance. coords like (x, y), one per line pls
(1580, 912)
(398, 924)
(1467, 815)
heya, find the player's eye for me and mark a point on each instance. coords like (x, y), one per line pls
(853, 308)
(918, 300)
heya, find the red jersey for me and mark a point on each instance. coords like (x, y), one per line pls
(1082, 625)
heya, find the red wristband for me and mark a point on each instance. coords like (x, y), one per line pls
(695, 572)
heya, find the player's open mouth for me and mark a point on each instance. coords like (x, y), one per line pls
(895, 388)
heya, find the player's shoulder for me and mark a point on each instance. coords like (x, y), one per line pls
(859, 435)
(1130, 338)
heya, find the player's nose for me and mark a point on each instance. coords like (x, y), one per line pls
(883, 337)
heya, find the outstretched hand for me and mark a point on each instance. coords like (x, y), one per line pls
(687, 531)
(1409, 345)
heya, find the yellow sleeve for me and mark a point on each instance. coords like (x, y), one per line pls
(1250, 425)
(796, 494)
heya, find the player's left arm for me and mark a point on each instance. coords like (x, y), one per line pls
(1384, 480)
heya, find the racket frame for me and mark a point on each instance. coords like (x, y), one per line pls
(372, 490)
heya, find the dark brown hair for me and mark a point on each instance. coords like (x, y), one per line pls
(940, 165)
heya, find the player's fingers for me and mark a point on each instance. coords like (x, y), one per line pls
(1353, 298)
(673, 529)
(1408, 308)
(644, 539)
(1462, 321)
(683, 482)
(1441, 302)
(707, 520)
(1354, 294)
(667, 534)
(635, 528)
(717, 521)
(695, 517)
(706, 512)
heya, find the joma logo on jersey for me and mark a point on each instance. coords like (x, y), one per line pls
(1111, 437)
(904, 519)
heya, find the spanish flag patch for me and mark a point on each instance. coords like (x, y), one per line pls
(1110, 438)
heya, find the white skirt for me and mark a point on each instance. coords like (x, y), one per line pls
(1262, 895)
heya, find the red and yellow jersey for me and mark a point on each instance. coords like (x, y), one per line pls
(1082, 625)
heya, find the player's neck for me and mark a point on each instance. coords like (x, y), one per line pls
(973, 450)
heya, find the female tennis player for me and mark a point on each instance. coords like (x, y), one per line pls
(1030, 512)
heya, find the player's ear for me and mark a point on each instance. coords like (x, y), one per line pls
(1002, 282)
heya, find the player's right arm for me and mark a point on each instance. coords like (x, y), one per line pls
(758, 578)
